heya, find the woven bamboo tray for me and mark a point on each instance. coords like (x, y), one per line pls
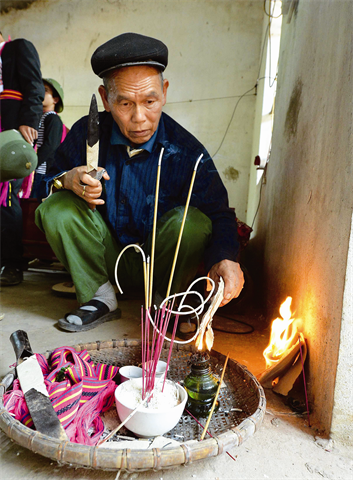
(228, 428)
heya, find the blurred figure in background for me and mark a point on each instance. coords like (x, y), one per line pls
(51, 133)
(21, 97)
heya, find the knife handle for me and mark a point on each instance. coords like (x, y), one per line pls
(21, 345)
(97, 174)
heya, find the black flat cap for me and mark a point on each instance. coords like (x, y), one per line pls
(127, 50)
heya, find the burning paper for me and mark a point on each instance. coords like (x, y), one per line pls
(205, 327)
(283, 335)
(282, 355)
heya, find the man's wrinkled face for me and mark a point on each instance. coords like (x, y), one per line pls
(135, 99)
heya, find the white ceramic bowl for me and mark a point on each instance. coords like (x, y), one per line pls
(128, 372)
(161, 368)
(148, 422)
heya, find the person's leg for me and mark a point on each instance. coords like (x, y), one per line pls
(76, 235)
(11, 237)
(83, 243)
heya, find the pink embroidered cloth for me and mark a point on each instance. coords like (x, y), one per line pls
(79, 392)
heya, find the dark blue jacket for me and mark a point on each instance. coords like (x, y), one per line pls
(129, 194)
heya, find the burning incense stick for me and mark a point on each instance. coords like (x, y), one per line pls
(215, 400)
(306, 394)
(170, 348)
(154, 227)
(182, 224)
(151, 350)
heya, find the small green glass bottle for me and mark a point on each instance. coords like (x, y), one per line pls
(201, 386)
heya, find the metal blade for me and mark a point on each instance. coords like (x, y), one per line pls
(96, 174)
(32, 384)
(43, 415)
(93, 123)
(93, 138)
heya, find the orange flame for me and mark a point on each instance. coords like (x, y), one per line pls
(199, 343)
(206, 339)
(283, 335)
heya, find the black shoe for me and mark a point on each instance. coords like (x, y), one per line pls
(10, 276)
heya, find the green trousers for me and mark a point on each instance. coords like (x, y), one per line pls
(83, 243)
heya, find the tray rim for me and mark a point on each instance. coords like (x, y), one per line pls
(93, 457)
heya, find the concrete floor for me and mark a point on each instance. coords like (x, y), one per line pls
(283, 448)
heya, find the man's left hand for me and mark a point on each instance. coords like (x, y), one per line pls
(233, 279)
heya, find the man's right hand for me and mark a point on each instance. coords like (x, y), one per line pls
(92, 188)
(28, 133)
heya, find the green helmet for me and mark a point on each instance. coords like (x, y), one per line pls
(58, 92)
(17, 157)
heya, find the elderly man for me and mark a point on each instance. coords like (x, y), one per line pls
(88, 226)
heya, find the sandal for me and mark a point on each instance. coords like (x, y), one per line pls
(186, 328)
(90, 319)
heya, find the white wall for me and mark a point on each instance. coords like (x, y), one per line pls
(305, 216)
(214, 50)
(342, 417)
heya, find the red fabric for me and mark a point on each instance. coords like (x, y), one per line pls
(83, 392)
(4, 189)
(24, 192)
(11, 95)
(26, 186)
